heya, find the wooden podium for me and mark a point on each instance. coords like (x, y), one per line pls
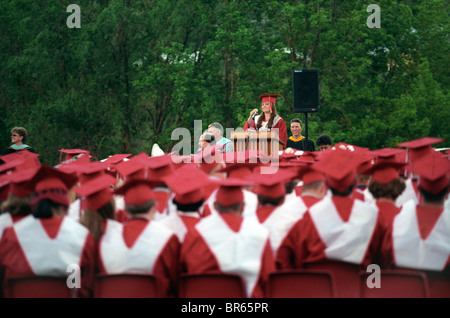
(266, 142)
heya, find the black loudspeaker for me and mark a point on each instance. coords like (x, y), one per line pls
(306, 91)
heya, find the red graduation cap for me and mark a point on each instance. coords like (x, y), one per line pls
(349, 147)
(137, 191)
(239, 170)
(249, 156)
(21, 183)
(117, 158)
(308, 174)
(420, 147)
(339, 167)
(130, 170)
(293, 165)
(272, 185)
(30, 159)
(367, 161)
(159, 167)
(90, 170)
(72, 153)
(11, 165)
(209, 158)
(288, 156)
(4, 187)
(386, 171)
(269, 98)
(308, 156)
(230, 191)
(433, 171)
(53, 184)
(389, 154)
(188, 184)
(96, 191)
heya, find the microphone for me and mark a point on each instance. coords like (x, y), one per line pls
(254, 114)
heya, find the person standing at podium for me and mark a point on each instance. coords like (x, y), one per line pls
(269, 118)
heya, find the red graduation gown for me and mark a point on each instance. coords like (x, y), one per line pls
(141, 247)
(26, 250)
(200, 251)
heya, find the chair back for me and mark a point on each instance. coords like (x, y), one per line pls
(395, 283)
(40, 287)
(211, 285)
(125, 286)
(301, 283)
(346, 277)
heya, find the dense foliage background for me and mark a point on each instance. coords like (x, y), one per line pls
(136, 70)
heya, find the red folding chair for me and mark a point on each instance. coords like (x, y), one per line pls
(40, 287)
(211, 285)
(125, 286)
(345, 275)
(301, 283)
(438, 283)
(395, 283)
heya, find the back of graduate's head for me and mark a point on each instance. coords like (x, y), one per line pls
(46, 208)
(138, 196)
(51, 192)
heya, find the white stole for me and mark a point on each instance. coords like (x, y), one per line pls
(281, 220)
(48, 256)
(345, 241)
(139, 258)
(410, 250)
(236, 252)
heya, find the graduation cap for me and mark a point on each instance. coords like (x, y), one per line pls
(287, 156)
(308, 156)
(4, 187)
(11, 165)
(269, 98)
(132, 169)
(345, 146)
(90, 170)
(386, 171)
(159, 167)
(21, 183)
(418, 148)
(30, 159)
(272, 185)
(188, 184)
(72, 153)
(137, 191)
(246, 156)
(117, 158)
(53, 184)
(230, 191)
(339, 167)
(96, 192)
(209, 158)
(367, 161)
(308, 174)
(239, 170)
(433, 170)
(389, 154)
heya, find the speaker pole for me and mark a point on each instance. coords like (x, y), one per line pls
(306, 125)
